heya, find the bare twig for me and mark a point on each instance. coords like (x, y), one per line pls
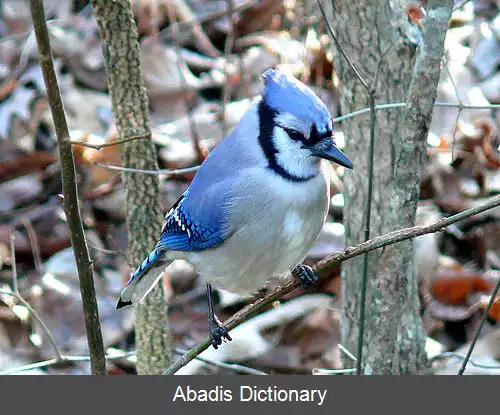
(71, 208)
(228, 366)
(15, 293)
(168, 173)
(480, 327)
(35, 246)
(397, 105)
(459, 106)
(12, 244)
(330, 261)
(183, 11)
(68, 358)
(171, 31)
(448, 355)
(105, 251)
(342, 51)
(36, 316)
(321, 371)
(347, 352)
(195, 137)
(460, 4)
(112, 143)
(63, 358)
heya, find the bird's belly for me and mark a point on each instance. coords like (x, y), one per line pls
(261, 249)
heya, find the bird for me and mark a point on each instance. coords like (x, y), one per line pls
(257, 203)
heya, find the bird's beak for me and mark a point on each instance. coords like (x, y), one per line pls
(332, 153)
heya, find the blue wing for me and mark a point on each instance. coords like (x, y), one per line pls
(194, 224)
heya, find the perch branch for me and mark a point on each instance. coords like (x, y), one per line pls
(328, 262)
(71, 208)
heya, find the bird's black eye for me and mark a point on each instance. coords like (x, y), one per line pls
(315, 136)
(295, 135)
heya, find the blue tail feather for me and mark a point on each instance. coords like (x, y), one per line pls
(150, 260)
(138, 286)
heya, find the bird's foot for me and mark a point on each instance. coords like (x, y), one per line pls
(217, 332)
(306, 275)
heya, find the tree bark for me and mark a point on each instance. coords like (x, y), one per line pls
(377, 37)
(144, 211)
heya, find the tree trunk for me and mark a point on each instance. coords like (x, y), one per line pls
(374, 34)
(144, 212)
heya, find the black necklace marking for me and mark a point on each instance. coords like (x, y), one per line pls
(266, 130)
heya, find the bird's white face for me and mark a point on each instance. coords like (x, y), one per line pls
(291, 139)
(300, 145)
(295, 129)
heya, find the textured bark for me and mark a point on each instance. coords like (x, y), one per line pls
(144, 213)
(374, 35)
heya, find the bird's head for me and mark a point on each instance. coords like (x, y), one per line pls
(296, 128)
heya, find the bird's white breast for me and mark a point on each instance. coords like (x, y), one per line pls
(293, 229)
(275, 223)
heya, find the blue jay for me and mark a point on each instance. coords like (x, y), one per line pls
(256, 205)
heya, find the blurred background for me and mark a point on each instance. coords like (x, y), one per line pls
(201, 63)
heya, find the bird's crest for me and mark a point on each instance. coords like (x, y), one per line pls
(284, 93)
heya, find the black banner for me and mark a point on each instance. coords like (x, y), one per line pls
(343, 395)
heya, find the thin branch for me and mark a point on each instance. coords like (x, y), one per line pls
(12, 243)
(68, 358)
(195, 137)
(171, 31)
(460, 107)
(342, 51)
(168, 173)
(347, 352)
(460, 4)
(367, 215)
(63, 358)
(105, 251)
(35, 246)
(321, 371)
(203, 42)
(28, 367)
(447, 355)
(480, 327)
(15, 286)
(229, 366)
(467, 107)
(37, 317)
(460, 101)
(330, 261)
(71, 206)
(15, 293)
(112, 143)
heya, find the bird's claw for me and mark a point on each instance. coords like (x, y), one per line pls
(306, 275)
(218, 333)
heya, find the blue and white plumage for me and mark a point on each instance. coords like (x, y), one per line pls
(259, 200)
